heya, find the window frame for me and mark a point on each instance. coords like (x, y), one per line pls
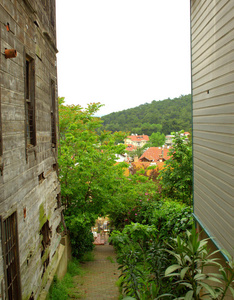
(30, 124)
(53, 114)
(10, 247)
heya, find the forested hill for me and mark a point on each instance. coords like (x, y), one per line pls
(164, 116)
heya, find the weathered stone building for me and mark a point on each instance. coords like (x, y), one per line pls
(29, 189)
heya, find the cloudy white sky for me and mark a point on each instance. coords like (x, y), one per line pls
(122, 53)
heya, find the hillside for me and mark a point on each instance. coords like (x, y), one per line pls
(165, 116)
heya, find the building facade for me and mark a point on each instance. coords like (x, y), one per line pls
(212, 49)
(136, 140)
(30, 207)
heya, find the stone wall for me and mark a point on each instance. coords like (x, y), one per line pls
(28, 173)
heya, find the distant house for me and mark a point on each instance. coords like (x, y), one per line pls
(213, 120)
(136, 140)
(121, 157)
(131, 148)
(155, 155)
(170, 137)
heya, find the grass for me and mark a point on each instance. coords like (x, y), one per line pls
(88, 256)
(62, 290)
(110, 259)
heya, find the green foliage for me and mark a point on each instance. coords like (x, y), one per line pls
(88, 256)
(156, 139)
(192, 256)
(140, 246)
(88, 172)
(171, 219)
(89, 175)
(133, 202)
(176, 176)
(158, 116)
(80, 233)
(133, 245)
(62, 290)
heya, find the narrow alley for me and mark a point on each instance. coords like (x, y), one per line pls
(101, 274)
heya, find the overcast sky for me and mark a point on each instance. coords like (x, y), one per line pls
(122, 53)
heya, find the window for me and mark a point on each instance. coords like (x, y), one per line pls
(11, 257)
(30, 102)
(53, 115)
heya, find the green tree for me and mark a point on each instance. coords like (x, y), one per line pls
(89, 174)
(156, 139)
(176, 176)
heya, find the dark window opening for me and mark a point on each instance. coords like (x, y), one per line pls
(41, 177)
(53, 115)
(11, 257)
(58, 197)
(30, 102)
(59, 228)
(46, 234)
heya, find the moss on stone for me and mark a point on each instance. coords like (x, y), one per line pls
(42, 216)
(45, 255)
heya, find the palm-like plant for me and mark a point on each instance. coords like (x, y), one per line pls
(192, 257)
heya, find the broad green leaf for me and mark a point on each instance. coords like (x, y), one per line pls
(208, 288)
(187, 284)
(164, 295)
(214, 279)
(200, 277)
(171, 269)
(232, 290)
(189, 295)
(183, 272)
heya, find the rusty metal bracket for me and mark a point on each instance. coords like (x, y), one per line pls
(10, 53)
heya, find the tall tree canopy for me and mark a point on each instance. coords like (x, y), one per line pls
(176, 177)
(89, 175)
(88, 172)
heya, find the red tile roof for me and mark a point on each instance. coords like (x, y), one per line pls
(154, 154)
(138, 138)
(131, 147)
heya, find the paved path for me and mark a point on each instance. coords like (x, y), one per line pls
(98, 283)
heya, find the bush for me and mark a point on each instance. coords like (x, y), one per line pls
(61, 290)
(141, 247)
(171, 219)
(80, 234)
(192, 256)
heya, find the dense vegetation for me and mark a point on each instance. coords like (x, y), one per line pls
(158, 116)
(150, 215)
(89, 177)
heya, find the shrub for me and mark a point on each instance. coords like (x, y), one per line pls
(81, 236)
(192, 256)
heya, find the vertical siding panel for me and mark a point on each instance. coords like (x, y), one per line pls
(212, 43)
